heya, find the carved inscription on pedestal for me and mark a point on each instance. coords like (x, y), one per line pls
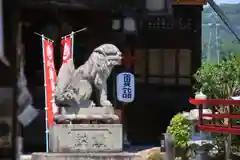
(99, 140)
(90, 139)
(81, 141)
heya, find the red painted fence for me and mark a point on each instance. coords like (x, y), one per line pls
(229, 118)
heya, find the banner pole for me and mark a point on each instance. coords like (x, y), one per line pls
(45, 89)
(72, 37)
(38, 34)
(80, 30)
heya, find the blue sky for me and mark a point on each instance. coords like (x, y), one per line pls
(227, 1)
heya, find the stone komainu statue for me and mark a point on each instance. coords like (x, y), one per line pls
(74, 86)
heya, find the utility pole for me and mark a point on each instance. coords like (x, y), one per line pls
(224, 18)
(213, 47)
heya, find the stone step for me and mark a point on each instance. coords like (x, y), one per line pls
(132, 153)
(86, 156)
(25, 157)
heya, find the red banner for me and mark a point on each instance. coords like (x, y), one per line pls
(50, 80)
(67, 49)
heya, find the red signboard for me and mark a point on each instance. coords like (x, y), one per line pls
(67, 49)
(50, 80)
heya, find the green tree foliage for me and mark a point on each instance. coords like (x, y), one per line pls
(220, 81)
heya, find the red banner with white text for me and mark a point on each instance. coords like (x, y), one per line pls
(67, 49)
(50, 80)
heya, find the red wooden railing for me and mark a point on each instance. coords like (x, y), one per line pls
(212, 125)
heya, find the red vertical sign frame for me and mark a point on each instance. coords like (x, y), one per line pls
(67, 49)
(50, 80)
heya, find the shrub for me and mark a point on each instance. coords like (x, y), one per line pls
(180, 128)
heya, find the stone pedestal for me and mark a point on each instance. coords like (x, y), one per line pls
(85, 138)
(91, 133)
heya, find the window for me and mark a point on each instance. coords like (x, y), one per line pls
(185, 66)
(155, 67)
(169, 66)
(163, 66)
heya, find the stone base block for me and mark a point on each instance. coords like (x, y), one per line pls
(85, 138)
(86, 156)
(81, 119)
(84, 115)
(86, 111)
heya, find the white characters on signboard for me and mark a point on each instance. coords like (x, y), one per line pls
(66, 52)
(50, 67)
(51, 76)
(50, 57)
(51, 72)
(49, 53)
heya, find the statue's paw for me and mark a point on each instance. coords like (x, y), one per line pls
(93, 104)
(106, 103)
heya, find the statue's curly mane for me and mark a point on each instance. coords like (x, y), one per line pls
(104, 58)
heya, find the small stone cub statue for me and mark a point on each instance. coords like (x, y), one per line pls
(74, 86)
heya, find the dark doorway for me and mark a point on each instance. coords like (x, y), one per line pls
(163, 86)
(167, 52)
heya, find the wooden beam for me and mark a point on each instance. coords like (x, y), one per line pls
(189, 2)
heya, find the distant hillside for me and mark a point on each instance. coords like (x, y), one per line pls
(227, 40)
(232, 11)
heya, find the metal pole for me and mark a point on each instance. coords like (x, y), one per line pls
(46, 108)
(38, 34)
(169, 147)
(217, 43)
(224, 18)
(209, 47)
(80, 30)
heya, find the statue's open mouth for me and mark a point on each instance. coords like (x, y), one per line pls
(114, 60)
